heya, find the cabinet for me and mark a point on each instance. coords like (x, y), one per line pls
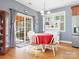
(75, 10)
(75, 41)
(75, 18)
(3, 15)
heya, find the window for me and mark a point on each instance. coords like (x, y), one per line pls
(54, 20)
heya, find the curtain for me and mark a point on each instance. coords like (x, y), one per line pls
(12, 28)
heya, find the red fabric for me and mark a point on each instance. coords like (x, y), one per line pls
(44, 38)
(34, 41)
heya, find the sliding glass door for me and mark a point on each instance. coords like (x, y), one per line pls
(29, 25)
(24, 24)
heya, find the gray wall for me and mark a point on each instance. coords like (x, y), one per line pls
(6, 4)
(38, 22)
(67, 35)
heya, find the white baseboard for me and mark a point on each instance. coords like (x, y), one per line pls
(65, 41)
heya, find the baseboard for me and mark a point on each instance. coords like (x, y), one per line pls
(65, 41)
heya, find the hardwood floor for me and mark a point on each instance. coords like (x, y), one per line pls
(65, 51)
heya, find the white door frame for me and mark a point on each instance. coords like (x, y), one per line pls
(20, 14)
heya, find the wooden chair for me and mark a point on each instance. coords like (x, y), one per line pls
(51, 46)
(29, 35)
(56, 38)
(54, 42)
(33, 46)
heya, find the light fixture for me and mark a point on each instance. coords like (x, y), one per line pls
(43, 10)
(48, 12)
(25, 11)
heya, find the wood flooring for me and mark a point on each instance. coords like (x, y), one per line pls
(65, 51)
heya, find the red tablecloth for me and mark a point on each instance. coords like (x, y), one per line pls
(43, 38)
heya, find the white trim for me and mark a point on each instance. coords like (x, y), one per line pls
(56, 14)
(24, 29)
(15, 29)
(25, 16)
(65, 41)
(64, 21)
(31, 23)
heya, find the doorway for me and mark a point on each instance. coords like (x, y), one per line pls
(23, 24)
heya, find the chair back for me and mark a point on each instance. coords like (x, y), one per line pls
(30, 36)
(56, 34)
(33, 37)
(49, 32)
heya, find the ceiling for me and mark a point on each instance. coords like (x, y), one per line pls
(38, 5)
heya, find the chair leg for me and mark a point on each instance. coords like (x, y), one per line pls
(43, 48)
(53, 50)
(56, 47)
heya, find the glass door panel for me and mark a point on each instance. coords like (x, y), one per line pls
(20, 29)
(28, 25)
(24, 24)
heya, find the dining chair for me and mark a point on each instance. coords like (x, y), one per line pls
(49, 32)
(51, 46)
(54, 43)
(33, 46)
(56, 33)
(29, 35)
